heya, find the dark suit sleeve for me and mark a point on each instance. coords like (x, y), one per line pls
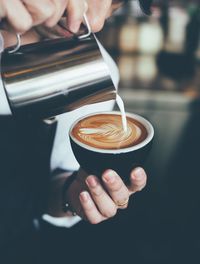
(25, 148)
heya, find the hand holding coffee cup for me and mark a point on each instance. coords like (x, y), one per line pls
(99, 142)
(104, 149)
(96, 200)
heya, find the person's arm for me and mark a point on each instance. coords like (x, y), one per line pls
(84, 202)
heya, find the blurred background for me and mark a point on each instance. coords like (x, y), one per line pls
(159, 63)
(158, 56)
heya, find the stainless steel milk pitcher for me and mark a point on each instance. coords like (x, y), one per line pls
(55, 76)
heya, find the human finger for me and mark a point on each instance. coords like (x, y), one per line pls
(97, 13)
(104, 203)
(40, 11)
(138, 180)
(20, 20)
(60, 7)
(89, 208)
(75, 11)
(116, 188)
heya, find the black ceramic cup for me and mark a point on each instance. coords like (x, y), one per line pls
(95, 160)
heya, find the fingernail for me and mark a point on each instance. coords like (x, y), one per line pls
(138, 173)
(84, 196)
(91, 181)
(109, 176)
(74, 27)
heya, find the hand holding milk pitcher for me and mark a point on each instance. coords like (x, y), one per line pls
(49, 82)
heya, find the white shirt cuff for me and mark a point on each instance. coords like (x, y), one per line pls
(67, 221)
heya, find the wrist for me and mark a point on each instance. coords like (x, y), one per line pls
(56, 194)
(65, 201)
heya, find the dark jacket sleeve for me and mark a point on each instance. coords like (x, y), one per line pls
(25, 148)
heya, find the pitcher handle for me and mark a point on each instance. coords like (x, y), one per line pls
(18, 38)
(17, 46)
(87, 24)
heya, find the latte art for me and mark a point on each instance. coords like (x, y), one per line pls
(105, 131)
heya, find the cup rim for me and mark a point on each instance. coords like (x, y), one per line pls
(142, 120)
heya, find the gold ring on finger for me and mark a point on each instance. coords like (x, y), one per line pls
(121, 204)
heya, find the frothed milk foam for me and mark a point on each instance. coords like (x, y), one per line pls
(120, 104)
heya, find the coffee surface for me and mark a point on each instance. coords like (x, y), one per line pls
(105, 131)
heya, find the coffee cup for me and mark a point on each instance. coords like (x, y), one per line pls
(99, 142)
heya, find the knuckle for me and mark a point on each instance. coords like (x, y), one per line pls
(117, 186)
(97, 191)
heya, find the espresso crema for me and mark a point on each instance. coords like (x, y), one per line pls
(105, 131)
